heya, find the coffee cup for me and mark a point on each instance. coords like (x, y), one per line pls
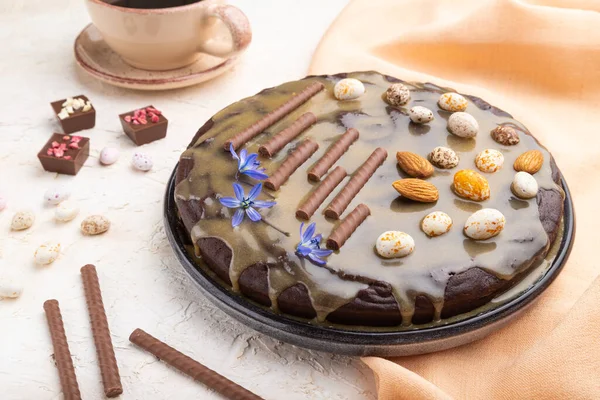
(169, 37)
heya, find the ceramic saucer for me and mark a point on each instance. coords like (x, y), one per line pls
(97, 59)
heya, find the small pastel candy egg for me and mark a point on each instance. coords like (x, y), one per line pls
(348, 89)
(397, 95)
(452, 102)
(22, 220)
(420, 115)
(2, 203)
(10, 286)
(47, 253)
(524, 185)
(489, 160)
(94, 225)
(463, 125)
(109, 155)
(436, 223)
(394, 244)
(57, 194)
(444, 157)
(141, 162)
(66, 211)
(484, 224)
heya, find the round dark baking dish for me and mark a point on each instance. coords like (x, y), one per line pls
(354, 342)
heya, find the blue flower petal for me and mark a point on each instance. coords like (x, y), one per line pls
(248, 162)
(253, 214)
(255, 191)
(243, 162)
(301, 228)
(316, 259)
(239, 191)
(238, 217)
(317, 238)
(303, 250)
(308, 233)
(263, 204)
(230, 202)
(232, 151)
(322, 252)
(255, 174)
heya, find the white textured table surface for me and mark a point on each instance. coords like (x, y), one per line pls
(143, 285)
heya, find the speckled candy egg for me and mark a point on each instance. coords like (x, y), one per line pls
(397, 95)
(22, 220)
(524, 185)
(109, 155)
(348, 89)
(66, 211)
(444, 157)
(420, 115)
(142, 162)
(2, 203)
(394, 244)
(11, 287)
(94, 225)
(452, 102)
(484, 224)
(463, 125)
(489, 160)
(57, 194)
(471, 185)
(436, 223)
(47, 253)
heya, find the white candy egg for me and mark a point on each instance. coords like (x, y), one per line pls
(109, 155)
(10, 286)
(484, 224)
(463, 125)
(436, 223)
(94, 225)
(489, 160)
(22, 220)
(394, 244)
(57, 194)
(66, 211)
(2, 203)
(452, 102)
(420, 115)
(47, 253)
(142, 162)
(524, 185)
(348, 89)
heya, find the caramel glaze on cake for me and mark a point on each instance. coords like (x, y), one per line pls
(444, 276)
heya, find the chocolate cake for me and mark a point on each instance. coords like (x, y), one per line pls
(351, 156)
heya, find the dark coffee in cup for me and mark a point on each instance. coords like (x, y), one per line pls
(150, 4)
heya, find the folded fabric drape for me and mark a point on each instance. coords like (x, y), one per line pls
(540, 61)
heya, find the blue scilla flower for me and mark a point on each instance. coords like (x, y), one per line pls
(309, 246)
(245, 205)
(248, 164)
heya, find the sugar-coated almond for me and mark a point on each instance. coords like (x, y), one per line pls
(397, 95)
(95, 225)
(489, 160)
(463, 125)
(436, 223)
(452, 102)
(524, 185)
(420, 115)
(348, 89)
(47, 253)
(444, 157)
(505, 135)
(22, 220)
(471, 185)
(484, 224)
(57, 194)
(142, 161)
(394, 244)
(66, 211)
(109, 155)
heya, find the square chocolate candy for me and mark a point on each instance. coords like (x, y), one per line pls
(144, 125)
(64, 154)
(75, 113)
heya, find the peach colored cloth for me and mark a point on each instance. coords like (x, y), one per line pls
(540, 61)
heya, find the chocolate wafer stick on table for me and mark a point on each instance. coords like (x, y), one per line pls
(191, 367)
(62, 354)
(104, 347)
(274, 116)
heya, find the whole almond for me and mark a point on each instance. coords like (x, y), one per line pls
(417, 190)
(531, 161)
(414, 165)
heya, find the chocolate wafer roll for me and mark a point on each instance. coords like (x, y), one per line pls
(347, 227)
(356, 183)
(308, 208)
(62, 354)
(191, 367)
(104, 348)
(279, 141)
(274, 116)
(291, 164)
(332, 155)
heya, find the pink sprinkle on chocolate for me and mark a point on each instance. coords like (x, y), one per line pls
(135, 122)
(62, 146)
(143, 121)
(153, 110)
(76, 139)
(74, 145)
(142, 111)
(50, 152)
(67, 157)
(127, 118)
(58, 153)
(55, 144)
(154, 118)
(66, 137)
